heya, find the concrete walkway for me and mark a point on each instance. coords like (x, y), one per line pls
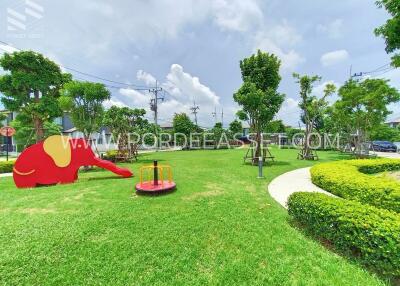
(6, 175)
(294, 181)
(389, 155)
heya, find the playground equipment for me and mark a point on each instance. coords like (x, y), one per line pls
(157, 184)
(265, 153)
(57, 160)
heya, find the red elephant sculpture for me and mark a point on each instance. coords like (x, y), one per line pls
(57, 160)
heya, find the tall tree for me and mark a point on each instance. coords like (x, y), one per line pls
(123, 121)
(312, 108)
(235, 127)
(390, 30)
(31, 86)
(385, 133)
(275, 126)
(362, 106)
(23, 135)
(259, 96)
(2, 118)
(217, 134)
(84, 101)
(182, 124)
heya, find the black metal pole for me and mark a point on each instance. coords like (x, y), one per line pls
(260, 168)
(8, 144)
(155, 173)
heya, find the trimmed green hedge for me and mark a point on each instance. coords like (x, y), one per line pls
(370, 234)
(350, 180)
(6, 167)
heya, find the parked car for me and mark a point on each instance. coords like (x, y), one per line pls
(245, 139)
(383, 146)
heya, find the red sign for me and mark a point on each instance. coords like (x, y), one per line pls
(7, 131)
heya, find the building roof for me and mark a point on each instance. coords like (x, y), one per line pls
(397, 120)
(166, 125)
(70, 130)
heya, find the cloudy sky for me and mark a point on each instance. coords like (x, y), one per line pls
(193, 48)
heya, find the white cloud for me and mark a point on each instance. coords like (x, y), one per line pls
(271, 43)
(188, 88)
(147, 78)
(335, 57)
(113, 101)
(182, 89)
(98, 7)
(289, 112)
(7, 49)
(237, 15)
(284, 34)
(280, 40)
(333, 30)
(318, 90)
(133, 98)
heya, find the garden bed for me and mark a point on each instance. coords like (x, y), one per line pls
(351, 180)
(364, 222)
(368, 233)
(6, 166)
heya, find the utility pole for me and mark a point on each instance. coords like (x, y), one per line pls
(154, 107)
(194, 111)
(214, 114)
(222, 118)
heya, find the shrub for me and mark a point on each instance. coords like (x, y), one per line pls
(6, 167)
(111, 155)
(366, 232)
(350, 180)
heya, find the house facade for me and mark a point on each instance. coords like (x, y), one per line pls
(394, 123)
(10, 141)
(102, 140)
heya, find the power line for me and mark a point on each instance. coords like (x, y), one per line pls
(84, 73)
(382, 70)
(113, 86)
(104, 79)
(379, 68)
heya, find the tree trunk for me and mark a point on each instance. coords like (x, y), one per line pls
(37, 121)
(258, 147)
(38, 125)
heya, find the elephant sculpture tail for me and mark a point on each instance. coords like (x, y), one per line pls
(24, 179)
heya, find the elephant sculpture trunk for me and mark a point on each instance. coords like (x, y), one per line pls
(104, 164)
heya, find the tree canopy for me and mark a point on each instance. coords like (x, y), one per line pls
(275, 126)
(182, 124)
(390, 30)
(363, 106)
(123, 122)
(258, 96)
(31, 86)
(84, 102)
(235, 127)
(312, 108)
(2, 118)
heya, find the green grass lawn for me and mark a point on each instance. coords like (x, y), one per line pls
(219, 227)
